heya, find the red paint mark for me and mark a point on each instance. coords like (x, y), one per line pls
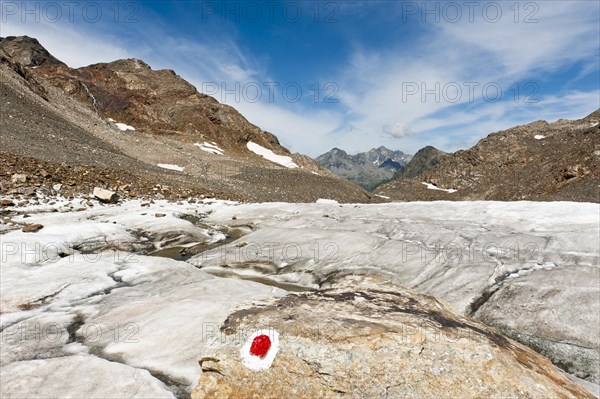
(260, 346)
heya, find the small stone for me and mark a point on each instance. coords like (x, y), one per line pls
(6, 202)
(160, 215)
(234, 217)
(57, 187)
(32, 228)
(18, 178)
(106, 196)
(89, 203)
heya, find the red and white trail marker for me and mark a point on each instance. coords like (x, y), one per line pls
(260, 349)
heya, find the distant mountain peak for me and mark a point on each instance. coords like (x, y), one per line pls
(368, 169)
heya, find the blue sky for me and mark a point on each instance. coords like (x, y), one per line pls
(353, 75)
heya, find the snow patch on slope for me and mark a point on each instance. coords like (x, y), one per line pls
(121, 126)
(170, 166)
(434, 187)
(271, 156)
(210, 147)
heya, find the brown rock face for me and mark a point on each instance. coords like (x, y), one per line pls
(160, 102)
(374, 340)
(70, 130)
(538, 161)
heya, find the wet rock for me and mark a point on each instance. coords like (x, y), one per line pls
(105, 196)
(32, 228)
(6, 202)
(370, 339)
(160, 215)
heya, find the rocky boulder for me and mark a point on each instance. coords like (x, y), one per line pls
(370, 339)
(106, 196)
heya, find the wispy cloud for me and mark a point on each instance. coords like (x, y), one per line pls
(460, 67)
(400, 95)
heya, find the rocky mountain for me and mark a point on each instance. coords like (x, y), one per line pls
(368, 169)
(426, 158)
(150, 131)
(537, 161)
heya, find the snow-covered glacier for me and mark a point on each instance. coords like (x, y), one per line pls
(87, 294)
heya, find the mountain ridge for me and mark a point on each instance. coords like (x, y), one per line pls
(368, 169)
(537, 161)
(133, 122)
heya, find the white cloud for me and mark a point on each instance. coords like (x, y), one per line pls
(417, 84)
(397, 130)
(547, 36)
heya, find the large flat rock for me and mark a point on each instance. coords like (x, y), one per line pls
(370, 340)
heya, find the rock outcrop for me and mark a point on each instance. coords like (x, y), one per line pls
(374, 340)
